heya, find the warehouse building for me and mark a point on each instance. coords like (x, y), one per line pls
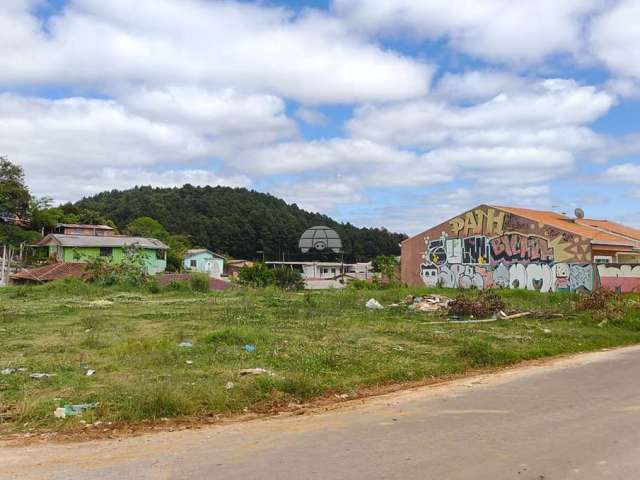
(505, 247)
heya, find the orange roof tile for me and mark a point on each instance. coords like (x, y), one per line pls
(54, 271)
(613, 227)
(583, 227)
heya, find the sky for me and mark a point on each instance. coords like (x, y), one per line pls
(386, 114)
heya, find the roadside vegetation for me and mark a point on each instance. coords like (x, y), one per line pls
(179, 352)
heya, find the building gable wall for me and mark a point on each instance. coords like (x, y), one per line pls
(487, 247)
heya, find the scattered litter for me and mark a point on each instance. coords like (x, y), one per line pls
(100, 303)
(40, 376)
(428, 303)
(189, 362)
(7, 371)
(249, 348)
(186, 344)
(547, 331)
(483, 320)
(73, 410)
(256, 371)
(90, 373)
(373, 304)
(398, 348)
(504, 316)
(229, 385)
(22, 369)
(342, 395)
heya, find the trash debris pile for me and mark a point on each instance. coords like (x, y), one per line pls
(373, 304)
(41, 376)
(427, 303)
(73, 410)
(485, 304)
(186, 344)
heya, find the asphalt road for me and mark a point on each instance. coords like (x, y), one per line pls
(575, 418)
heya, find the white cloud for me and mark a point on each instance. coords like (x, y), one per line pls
(497, 30)
(69, 146)
(310, 57)
(320, 195)
(623, 173)
(225, 116)
(312, 117)
(548, 114)
(73, 184)
(615, 38)
(478, 85)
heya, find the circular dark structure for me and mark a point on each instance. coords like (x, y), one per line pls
(320, 238)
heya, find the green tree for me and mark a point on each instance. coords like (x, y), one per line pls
(14, 195)
(387, 267)
(148, 227)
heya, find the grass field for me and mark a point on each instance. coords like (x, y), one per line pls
(315, 343)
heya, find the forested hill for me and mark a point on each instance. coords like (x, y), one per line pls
(237, 221)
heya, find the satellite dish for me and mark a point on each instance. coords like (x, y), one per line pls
(320, 239)
(579, 213)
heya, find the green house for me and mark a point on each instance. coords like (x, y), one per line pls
(80, 248)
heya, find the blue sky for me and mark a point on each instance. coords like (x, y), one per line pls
(396, 114)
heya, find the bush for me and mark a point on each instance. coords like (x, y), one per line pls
(128, 272)
(258, 276)
(199, 282)
(153, 285)
(287, 278)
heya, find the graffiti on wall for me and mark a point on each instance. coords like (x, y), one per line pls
(620, 278)
(518, 248)
(484, 251)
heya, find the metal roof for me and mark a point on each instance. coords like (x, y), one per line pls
(84, 225)
(91, 241)
(196, 251)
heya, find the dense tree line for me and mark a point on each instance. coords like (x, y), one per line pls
(237, 222)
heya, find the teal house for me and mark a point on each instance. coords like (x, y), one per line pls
(204, 261)
(81, 248)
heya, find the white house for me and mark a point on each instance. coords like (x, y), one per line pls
(204, 261)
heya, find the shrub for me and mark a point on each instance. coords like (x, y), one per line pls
(259, 275)
(153, 285)
(199, 282)
(287, 278)
(129, 271)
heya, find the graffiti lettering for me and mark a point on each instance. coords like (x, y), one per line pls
(517, 248)
(620, 278)
(478, 222)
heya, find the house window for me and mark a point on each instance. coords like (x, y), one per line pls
(161, 255)
(193, 263)
(602, 259)
(106, 251)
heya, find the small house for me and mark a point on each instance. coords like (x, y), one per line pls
(232, 267)
(78, 229)
(204, 261)
(81, 248)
